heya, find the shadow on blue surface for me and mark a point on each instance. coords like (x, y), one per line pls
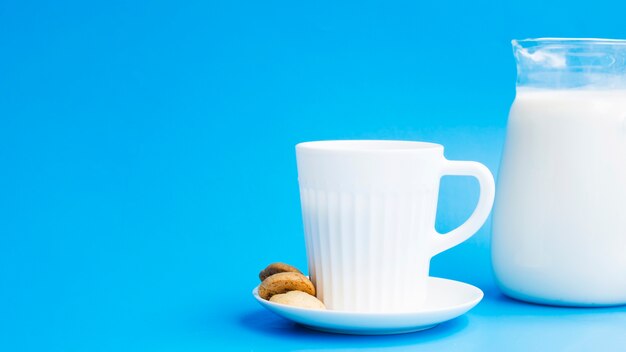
(498, 302)
(270, 325)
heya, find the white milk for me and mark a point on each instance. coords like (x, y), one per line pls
(559, 226)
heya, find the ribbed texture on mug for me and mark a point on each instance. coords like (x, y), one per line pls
(366, 251)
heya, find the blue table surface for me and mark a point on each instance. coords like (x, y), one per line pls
(147, 166)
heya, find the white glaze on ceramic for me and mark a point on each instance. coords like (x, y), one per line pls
(447, 299)
(369, 213)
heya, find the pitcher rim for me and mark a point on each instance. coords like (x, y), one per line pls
(558, 40)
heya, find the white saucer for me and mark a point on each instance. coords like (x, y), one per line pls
(447, 299)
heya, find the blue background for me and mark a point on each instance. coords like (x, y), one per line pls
(147, 167)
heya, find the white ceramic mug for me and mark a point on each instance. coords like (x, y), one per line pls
(369, 209)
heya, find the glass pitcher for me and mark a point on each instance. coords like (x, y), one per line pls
(559, 221)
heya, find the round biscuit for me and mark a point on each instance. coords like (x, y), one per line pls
(298, 299)
(285, 282)
(276, 268)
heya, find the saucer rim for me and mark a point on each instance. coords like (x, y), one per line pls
(470, 303)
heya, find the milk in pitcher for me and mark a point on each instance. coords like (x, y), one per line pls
(559, 226)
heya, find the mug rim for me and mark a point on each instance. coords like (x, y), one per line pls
(368, 145)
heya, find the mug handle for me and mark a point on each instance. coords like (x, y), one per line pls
(448, 240)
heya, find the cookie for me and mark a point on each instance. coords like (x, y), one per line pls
(298, 299)
(276, 268)
(285, 282)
